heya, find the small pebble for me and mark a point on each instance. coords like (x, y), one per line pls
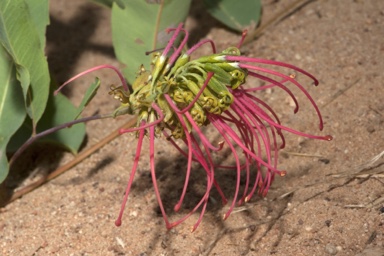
(308, 228)
(331, 249)
(133, 214)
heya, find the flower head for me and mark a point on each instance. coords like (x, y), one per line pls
(181, 95)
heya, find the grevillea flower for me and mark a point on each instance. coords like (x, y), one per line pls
(179, 96)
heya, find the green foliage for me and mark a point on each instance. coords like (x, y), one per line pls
(39, 11)
(140, 27)
(88, 96)
(237, 15)
(19, 36)
(12, 110)
(27, 104)
(59, 111)
(109, 3)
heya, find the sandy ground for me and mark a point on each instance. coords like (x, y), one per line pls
(308, 212)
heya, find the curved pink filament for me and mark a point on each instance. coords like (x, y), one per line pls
(222, 125)
(278, 126)
(252, 102)
(252, 111)
(131, 177)
(257, 180)
(243, 35)
(270, 62)
(249, 141)
(248, 138)
(210, 180)
(246, 66)
(201, 134)
(264, 133)
(153, 173)
(241, 111)
(282, 81)
(159, 120)
(247, 173)
(199, 153)
(124, 83)
(189, 165)
(199, 44)
(193, 123)
(279, 84)
(183, 152)
(173, 38)
(176, 53)
(224, 133)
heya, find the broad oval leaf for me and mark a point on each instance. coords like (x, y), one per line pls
(108, 3)
(22, 34)
(140, 27)
(59, 111)
(237, 15)
(22, 37)
(40, 16)
(12, 112)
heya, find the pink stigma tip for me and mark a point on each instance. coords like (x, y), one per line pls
(177, 207)
(118, 222)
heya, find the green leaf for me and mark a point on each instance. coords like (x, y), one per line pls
(237, 15)
(12, 111)
(89, 94)
(4, 166)
(40, 16)
(109, 3)
(59, 111)
(21, 34)
(140, 27)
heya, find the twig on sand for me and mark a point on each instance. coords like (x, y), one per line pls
(78, 158)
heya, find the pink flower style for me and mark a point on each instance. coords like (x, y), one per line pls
(180, 95)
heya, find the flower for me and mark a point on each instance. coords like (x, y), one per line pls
(179, 96)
